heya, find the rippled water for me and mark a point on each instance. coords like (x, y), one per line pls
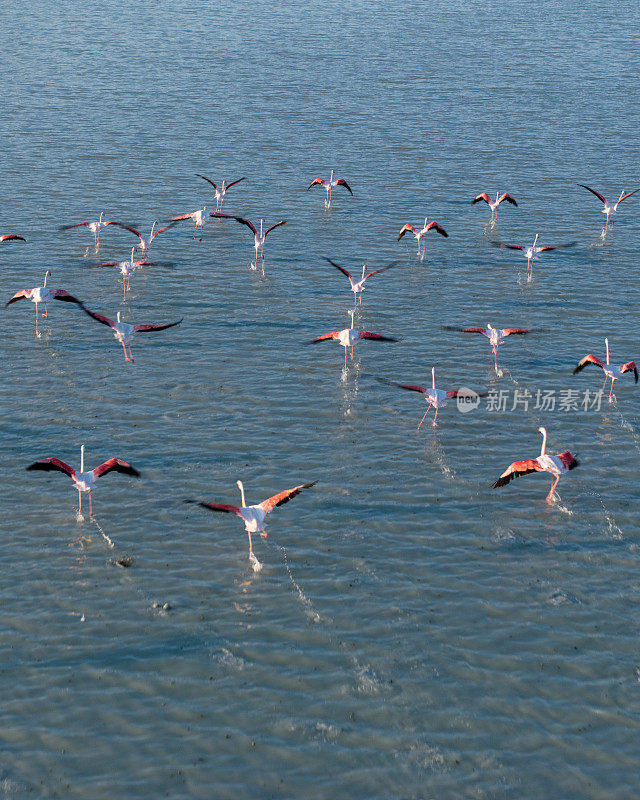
(412, 633)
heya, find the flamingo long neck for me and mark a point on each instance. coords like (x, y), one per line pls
(46, 275)
(331, 178)
(352, 312)
(81, 458)
(153, 227)
(543, 449)
(101, 215)
(241, 487)
(433, 378)
(364, 268)
(606, 343)
(536, 239)
(133, 249)
(118, 317)
(261, 221)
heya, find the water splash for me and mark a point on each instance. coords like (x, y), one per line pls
(308, 605)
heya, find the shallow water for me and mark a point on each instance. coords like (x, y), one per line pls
(412, 633)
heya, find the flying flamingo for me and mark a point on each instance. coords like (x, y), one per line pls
(258, 238)
(7, 237)
(123, 331)
(220, 192)
(609, 210)
(145, 241)
(556, 465)
(254, 516)
(84, 481)
(419, 234)
(434, 397)
(329, 185)
(198, 217)
(40, 294)
(126, 268)
(610, 371)
(350, 338)
(95, 228)
(493, 204)
(496, 336)
(357, 287)
(531, 253)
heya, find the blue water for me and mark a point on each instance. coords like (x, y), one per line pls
(413, 633)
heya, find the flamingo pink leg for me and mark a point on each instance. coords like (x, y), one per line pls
(90, 505)
(435, 419)
(425, 414)
(46, 314)
(555, 483)
(36, 319)
(611, 389)
(79, 502)
(606, 378)
(345, 359)
(250, 546)
(126, 357)
(130, 354)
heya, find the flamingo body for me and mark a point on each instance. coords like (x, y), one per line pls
(357, 286)
(42, 294)
(349, 337)
(124, 331)
(420, 233)
(221, 190)
(608, 209)
(493, 204)
(613, 371)
(329, 185)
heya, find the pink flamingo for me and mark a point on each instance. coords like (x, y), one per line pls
(220, 192)
(126, 268)
(350, 337)
(357, 287)
(434, 397)
(329, 185)
(557, 465)
(496, 336)
(145, 241)
(609, 210)
(258, 238)
(124, 331)
(493, 204)
(7, 237)
(419, 234)
(85, 481)
(95, 228)
(610, 370)
(531, 253)
(40, 294)
(198, 217)
(254, 516)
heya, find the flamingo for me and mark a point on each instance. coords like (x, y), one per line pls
(258, 238)
(434, 397)
(220, 192)
(610, 370)
(531, 253)
(329, 185)
(84, 481)
(95, 228)
(418, 234)
(145, 241)
(350, 337)
(198, 217)
(609, 210)
(40, 294)
(126, 268)
(496, 336)
(124, 331)
(493, 204)
(254, 516)
(7, 237)
(556, 465)
(357, 287)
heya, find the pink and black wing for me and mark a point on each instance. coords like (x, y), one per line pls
(515, 470)
(568, 460)
(64, 296)
(408, 386)
(406, 229)
(484, 196)
(630, 366)
(342, 269)
(519, 331)
(627, 194)
(248, 223)
(160, 230)
(115, 465)
(7, 237)
(208, 180)
(315, 182)
(375, 336)
(233, 183)
(342, 182)
(150, 328)
(98, 317)
(23, 294)
(433, 226)
(74, 225)
(277, 225)
(223, 507)
(468, 330)
(283, 497)
(509, 246)
(378, 271)
(52, 464)
(127, 228)
(506, 196)
(325, 336)
(177, 218)
(593, 191)
(588, 359)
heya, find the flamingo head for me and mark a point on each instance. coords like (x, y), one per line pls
(542, 430)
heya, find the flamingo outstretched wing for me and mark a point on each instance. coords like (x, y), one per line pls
(98, 317)
(408, 386)
(342, 269)
(517, 469)
(7, 237)
(484, 196)
(128, 228)
(438, 229)
(506, 196)
(277, 225)
(588, 359)
(342, 182)
(569, 461)
(23, 294)
(225, 507)
(378, 271)
(248, 223)
(375, 336)
(630, 366)
(314, 182)
(509, 246)
(521, 331)
(233, 183)
(283, 497)
(64, 296)
(48, 464)
(149, 328)
(115, 465)
(624, 197)
(208, 180)
(406, 229)
(593, 191)
(325, 336)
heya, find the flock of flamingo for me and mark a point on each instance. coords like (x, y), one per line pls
(254, 516)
